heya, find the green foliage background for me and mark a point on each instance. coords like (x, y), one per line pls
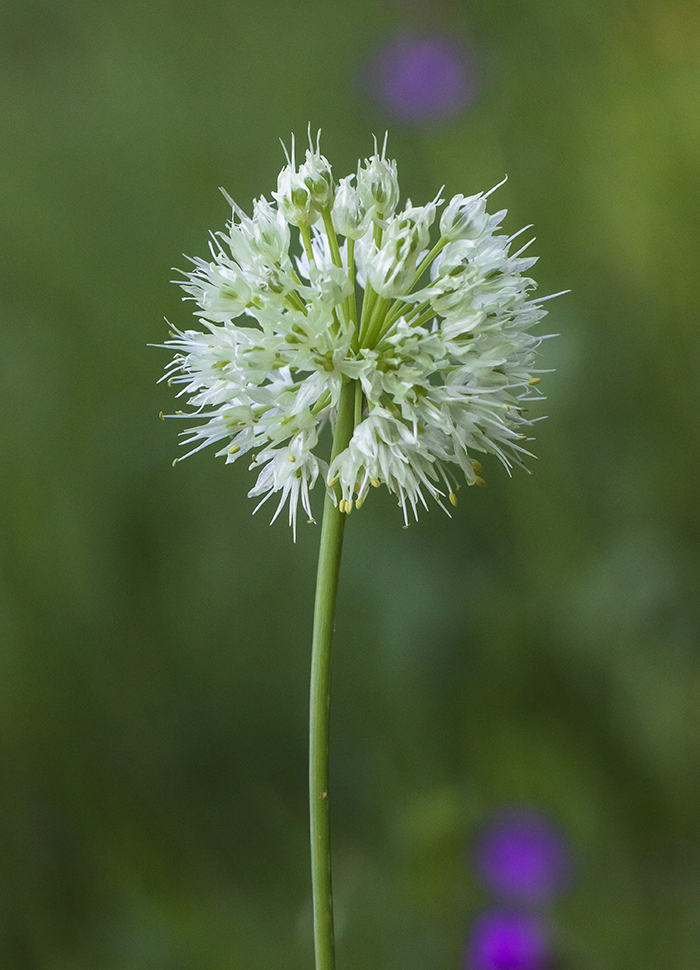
(541, 648)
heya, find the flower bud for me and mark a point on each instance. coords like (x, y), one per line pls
(294, 198)
(316, 175)
(414, 223)
(391, 270)
(407, 235)
(350, 217)
(378, 185)
(464, 218)
(268, 232)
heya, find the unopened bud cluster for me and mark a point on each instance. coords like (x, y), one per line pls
(333, 284)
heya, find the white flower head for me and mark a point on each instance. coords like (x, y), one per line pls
(415, 372)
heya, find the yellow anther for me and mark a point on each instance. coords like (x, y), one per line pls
(358, 503)
(179, 412)
(311, 521)
(291, 458)
(476, 465)
(534, 380)
(341, 505)
(161, 416)
(522, 437)
(479, 481)
(404, 526)
(333, 481)
(348, 507)
(374, 482)
(234, 449)
(453, 498)
(506, 407)
(175, 461)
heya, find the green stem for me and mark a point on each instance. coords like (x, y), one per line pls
(438, 247)
(398, 307)
(375, 327)
(368, 302)
(332, 238)
(352, 299)
(319, 702)
(305, 233)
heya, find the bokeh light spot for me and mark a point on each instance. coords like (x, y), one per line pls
(508, 941)
(423, 77)
(522, 855)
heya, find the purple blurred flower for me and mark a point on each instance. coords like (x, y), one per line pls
(423, 77)
(508, 941)
(523, 856)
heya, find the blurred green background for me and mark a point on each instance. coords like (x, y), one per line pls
(540, 649)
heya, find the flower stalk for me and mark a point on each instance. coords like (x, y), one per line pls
(330, 550)
(413, 374)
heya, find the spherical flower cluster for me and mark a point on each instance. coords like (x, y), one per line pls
(417, 351)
